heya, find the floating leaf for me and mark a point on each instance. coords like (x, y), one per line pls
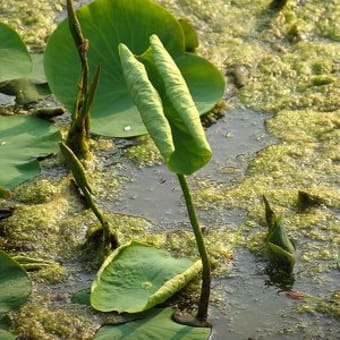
(4, 335)
(136, 277)
(15, 62)
(15, 285)
(158, 324)
(22, 140)
(105, 24)
(21, 74)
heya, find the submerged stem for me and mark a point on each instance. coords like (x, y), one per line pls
(202, 313)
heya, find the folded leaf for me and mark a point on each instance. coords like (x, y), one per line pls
(280, 248)
(174, 123)
(192, 149)
(147, 101)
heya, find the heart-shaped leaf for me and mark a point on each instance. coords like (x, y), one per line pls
(157, 324)
(22, 140)
(15, 62)
(136, 277)
(105, 24)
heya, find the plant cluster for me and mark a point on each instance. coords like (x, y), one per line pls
(136, 85)
(143, 78)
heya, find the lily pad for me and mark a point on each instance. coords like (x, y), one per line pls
(22, 140)
(15, 285)
(136, 277)
(15, 61)
(30, 88)
(105, 24)
(5, 335)
(158, 324)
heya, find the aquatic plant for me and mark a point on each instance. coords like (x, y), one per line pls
(20, 72)
(173, 122)
(105, 238)
(280, 248)
(15, 287)
(137, 277)
(79, 130)
(105, 24)
(15, 61)
(22, 140)
(155, 324)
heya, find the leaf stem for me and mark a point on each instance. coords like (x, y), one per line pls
(202, 313)
(80, 127)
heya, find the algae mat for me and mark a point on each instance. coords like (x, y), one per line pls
(288, 65)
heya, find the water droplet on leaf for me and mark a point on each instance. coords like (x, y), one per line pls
(127, 128)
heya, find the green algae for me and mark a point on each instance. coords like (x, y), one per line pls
(307, 126)
(42, 319)
(293, 66)
(144, 153)
(329, 306)
(33, 20)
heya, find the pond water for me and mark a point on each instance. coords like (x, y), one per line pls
(272, 139)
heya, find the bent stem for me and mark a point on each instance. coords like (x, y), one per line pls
(80, 127)
(109, 239)
(202, 313)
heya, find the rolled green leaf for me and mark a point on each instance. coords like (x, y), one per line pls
(192, 148)
(173, 122)
(280, 248)
(76, 167)
(147, 101)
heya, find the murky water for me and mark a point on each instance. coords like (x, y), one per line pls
(245, 302)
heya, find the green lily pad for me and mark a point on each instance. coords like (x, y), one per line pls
(5, 335)
(22, 140)
(15, 285)
(136, 277)
(158, 324)
(105, 24)
(15, 62)
(31, 88)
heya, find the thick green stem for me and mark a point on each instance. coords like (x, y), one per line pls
(78, 132)
(202, 313)
(110, 238)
